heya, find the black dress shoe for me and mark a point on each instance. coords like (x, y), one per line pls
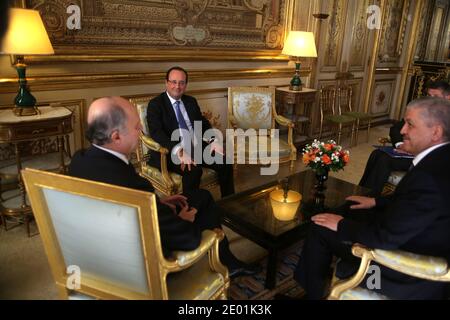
(245, 270)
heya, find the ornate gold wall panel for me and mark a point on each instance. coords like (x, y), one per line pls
(126, 26)
(393, 31)
(383, 95)
(334, 34)
(360, 34)
(424, 29)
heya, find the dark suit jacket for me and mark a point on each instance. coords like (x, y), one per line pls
(394, 132)
(162, 121)
(415, 218)
(98, 165)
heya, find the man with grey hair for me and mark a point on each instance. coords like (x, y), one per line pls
(113, 129)
(415, 218)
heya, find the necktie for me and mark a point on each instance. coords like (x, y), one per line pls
(181, 122)
(186, 141)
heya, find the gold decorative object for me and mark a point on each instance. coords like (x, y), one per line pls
(26, 35)
(299, 44)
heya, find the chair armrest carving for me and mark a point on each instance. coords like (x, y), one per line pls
(232, 121)
(420, 266)
(284, 121)
(183, 259)
(152, 144)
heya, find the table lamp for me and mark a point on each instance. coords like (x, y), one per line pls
(26, 35)
(285, 203)
(299, 44)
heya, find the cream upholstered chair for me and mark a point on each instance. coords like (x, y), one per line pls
(424, 267)
(166, 182)
(254, 108)
(111, 234)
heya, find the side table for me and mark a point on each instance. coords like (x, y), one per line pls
(297, 106)
(52, 122)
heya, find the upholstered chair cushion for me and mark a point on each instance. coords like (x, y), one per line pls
(362, 294)
(265, 149)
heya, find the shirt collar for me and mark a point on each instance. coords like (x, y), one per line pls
(424, 153)
(114, 153)
(172, 100)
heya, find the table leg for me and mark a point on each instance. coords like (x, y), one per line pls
(271, 274)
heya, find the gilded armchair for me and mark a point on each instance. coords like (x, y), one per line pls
(254, 108)
(424, 267)
(166, 182)
(102, 241)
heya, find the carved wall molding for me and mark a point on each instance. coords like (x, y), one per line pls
(393, 31)
(334, 34)
(95, 80)
(360, 33)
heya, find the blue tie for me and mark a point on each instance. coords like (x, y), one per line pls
(186, 142)
(181, 122)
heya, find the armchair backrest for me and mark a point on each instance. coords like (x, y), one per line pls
(251, 107)
(109, 232)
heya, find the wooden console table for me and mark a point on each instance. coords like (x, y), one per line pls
(52, 122)
(297, 106)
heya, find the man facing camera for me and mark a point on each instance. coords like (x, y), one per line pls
(113, 129)
(380, 165)
(172, 110)
(415, 218)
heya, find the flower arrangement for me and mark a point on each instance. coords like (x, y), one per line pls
(323, 156)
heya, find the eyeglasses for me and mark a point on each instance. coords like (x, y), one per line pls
(175, 82)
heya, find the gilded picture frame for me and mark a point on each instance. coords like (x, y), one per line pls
(155, 30)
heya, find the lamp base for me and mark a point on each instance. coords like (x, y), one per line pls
(26, 111)
(296, 87)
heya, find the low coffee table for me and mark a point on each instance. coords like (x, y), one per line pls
(250, 214)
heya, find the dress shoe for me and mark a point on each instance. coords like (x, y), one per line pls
(244, 270)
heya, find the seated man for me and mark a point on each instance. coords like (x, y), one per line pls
(113, 130)
(173, 110)
(380, 165)
(415, 218)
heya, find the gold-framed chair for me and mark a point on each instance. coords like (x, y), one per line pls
(111, 235)
(254, 108)
(168, 183)
(345, 104)
(329, 113)
(420, 266)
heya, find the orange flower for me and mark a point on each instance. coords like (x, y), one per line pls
(326, 159)
(328, 146)
(306, 158)
(346, 158)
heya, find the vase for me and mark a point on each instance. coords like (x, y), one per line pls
(321, 177)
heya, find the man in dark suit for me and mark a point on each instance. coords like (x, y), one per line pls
(113, 129)
(173, 110)
(380, 165)
(415, 218)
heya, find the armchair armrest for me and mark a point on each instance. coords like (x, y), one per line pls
(232, 121)
(155, 146)
(209, 243)
(284, 121)
(419, 266)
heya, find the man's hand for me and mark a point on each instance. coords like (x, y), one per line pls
(217, 148)
(361, 202)
(327, 220)
(187, 213)
(173, 201)
(185, 160)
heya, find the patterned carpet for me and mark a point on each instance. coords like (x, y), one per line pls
(252, 287)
